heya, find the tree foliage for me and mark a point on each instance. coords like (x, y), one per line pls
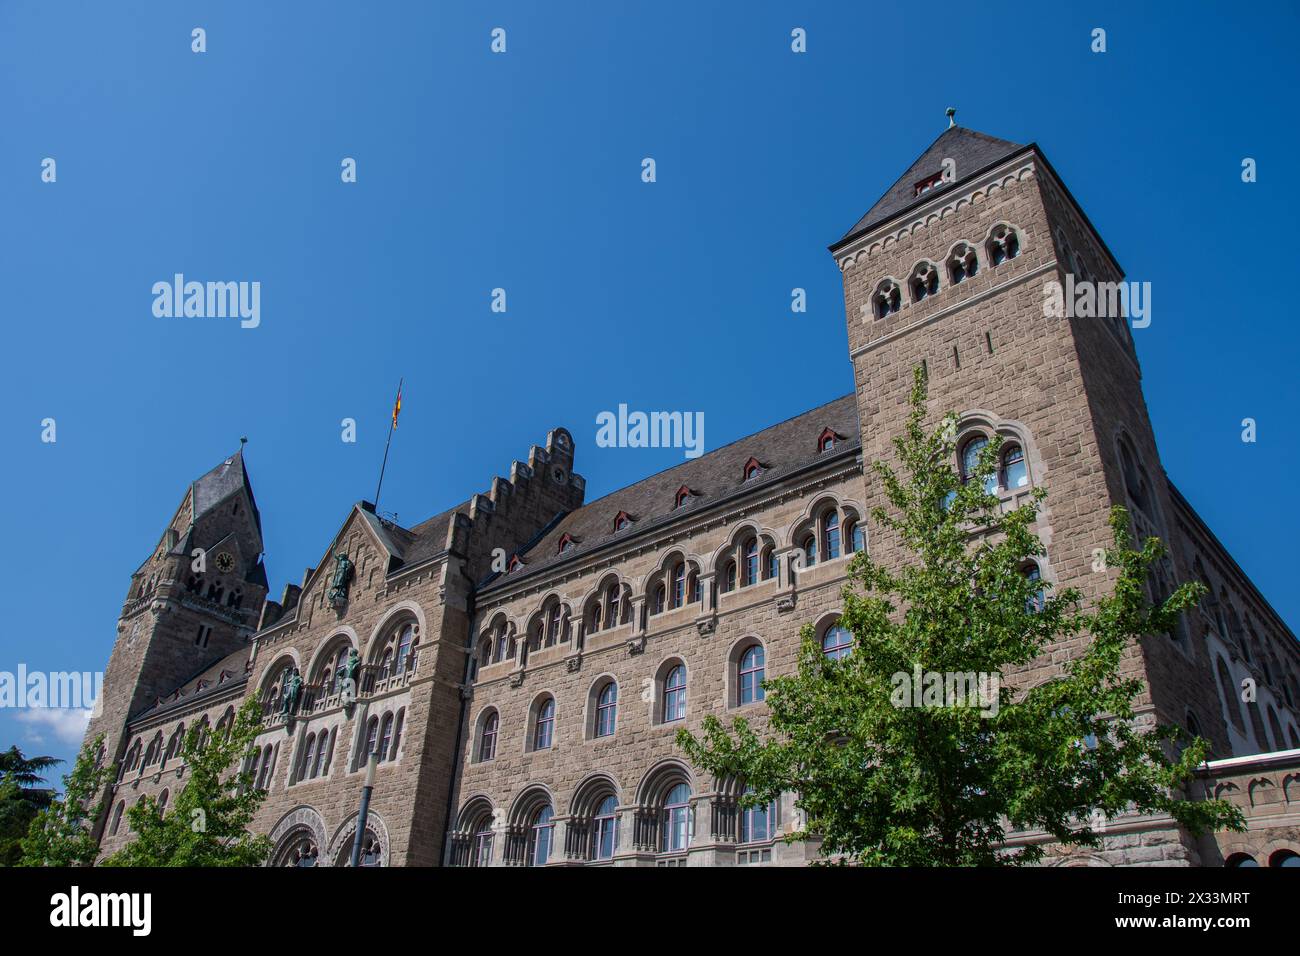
(1058, 747)
(207, 822)
(62, 833)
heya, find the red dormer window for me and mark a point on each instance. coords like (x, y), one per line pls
(223, 677)
(683, 496)
(567, 543)
(827, 440)
(925, 185)
(753, 468)
(622, 522)
(514, 565)
(202, 684)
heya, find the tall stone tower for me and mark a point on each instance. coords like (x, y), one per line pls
(193, 601)
(951, 268)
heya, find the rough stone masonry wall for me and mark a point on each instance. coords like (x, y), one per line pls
(641, 741)
(1030, 382)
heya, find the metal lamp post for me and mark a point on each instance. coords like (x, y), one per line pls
(366, 790)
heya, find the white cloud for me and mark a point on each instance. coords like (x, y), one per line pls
(66, 725)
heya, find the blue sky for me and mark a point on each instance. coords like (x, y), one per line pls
(522, 171)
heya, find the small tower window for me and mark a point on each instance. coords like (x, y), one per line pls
(962, 264)
(924, 281)
(1014, 473)
(1003, 244)
(887, 299)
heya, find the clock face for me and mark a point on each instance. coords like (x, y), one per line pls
(225, 563)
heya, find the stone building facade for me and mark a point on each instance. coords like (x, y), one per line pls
(525, 659)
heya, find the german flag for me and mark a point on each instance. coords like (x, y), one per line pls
(397, 405)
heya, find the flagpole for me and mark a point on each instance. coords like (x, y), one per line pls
(391, 425)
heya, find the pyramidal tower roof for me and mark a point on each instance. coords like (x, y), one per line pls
(221, 482)
(971, 151)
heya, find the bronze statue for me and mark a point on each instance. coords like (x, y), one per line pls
(338, 592)
(292, 691)
(347, 676)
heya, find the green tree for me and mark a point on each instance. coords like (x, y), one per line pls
(61, 834)
(207, 823)
(21, 799)
(938, 784)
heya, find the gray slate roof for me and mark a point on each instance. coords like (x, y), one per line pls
(234, 663)
(780, 449)
(221, 482)
(970, 150)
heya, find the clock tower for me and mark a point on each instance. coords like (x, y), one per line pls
(195, 600)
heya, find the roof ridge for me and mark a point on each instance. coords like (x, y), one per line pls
(715, 451)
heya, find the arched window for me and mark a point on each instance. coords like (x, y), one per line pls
(405, 642)
(831, 534)
(837, 642)
(674, 704)
(133, 756)
(268, 765)
(1014, 474)
(1038, 599)
(970, 459)
(676, 829)
(809, 550)
(174, 744)
(679, 584)
(606, 709)
(772, 566)
(1276, 727)
(487, 738)
(751, 563)
(604, 829)
(300, 850)
(924, 281)
(553, 625)
(758, 824)
(540, 832)
(117, 818)
(324, 744)
(544, 730)
(1003, 244)
(1134, 476)
(694, 589)
(750, 675)
(1228, 689)
(962, 264)
(308, 759)
(611, 606)
(1284, 858)
(1241, 860)
(481, 850)
(729, 577)
(887, 299)
(658, 606)
(162, 802)
(856, 536)
(397, 734)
